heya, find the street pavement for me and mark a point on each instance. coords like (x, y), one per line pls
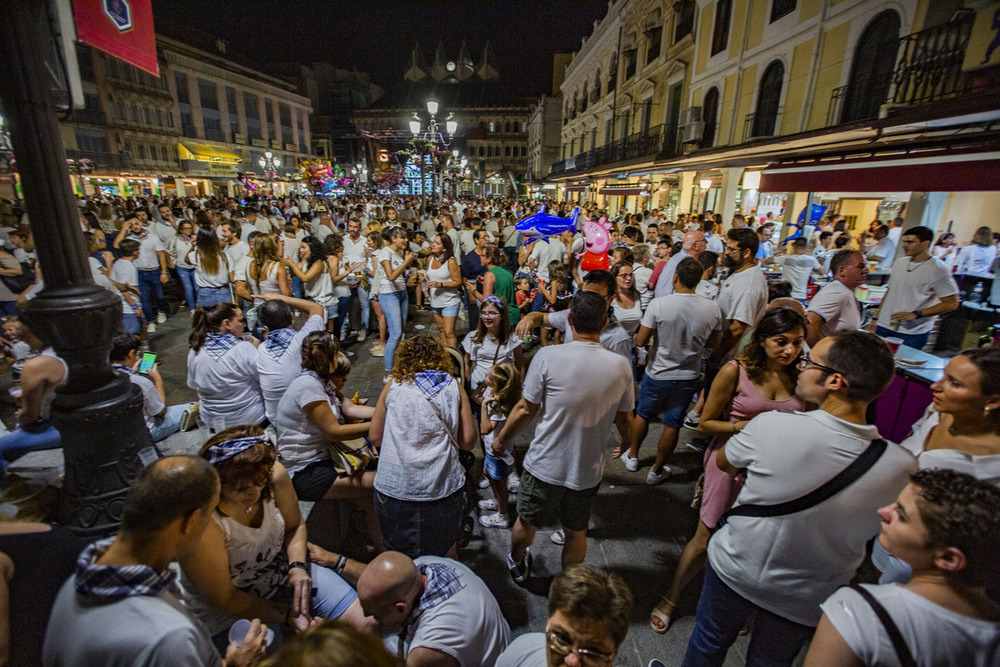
(637, 531)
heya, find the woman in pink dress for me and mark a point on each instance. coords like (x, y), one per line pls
(761, 380)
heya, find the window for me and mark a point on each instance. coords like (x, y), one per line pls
(181, 82)
(482, 151)
(613, 73)
(91, 141)
(609, 131)
(147, 117)
(252, 112)
(720, 33)
(685, 20)
(493, 126)
(285, 118)
(710, 116)
(631, 56)
(872, 69)
(269, 111)
(85, 60)
(766, 117)
(585, 98)
(524, 151)
(142, 151)
(163, 154)
(506, 127)
(653, 37)
(506, 151)
(781, 8)
(524, 127)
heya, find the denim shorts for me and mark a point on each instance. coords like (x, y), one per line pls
(496, 468)
(539, 503)
(331, 311)
(312, 482)
(671, 397)
(131, 324)
(446, 311)
(417, 528)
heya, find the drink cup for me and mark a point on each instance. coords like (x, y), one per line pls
(238, 631)
(894, 343)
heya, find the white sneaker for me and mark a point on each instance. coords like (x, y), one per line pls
(654, 478)
(495, 520)
(558, 537)
(692, 419)
(362, 335)
(161, 318)
(631, 464)
(484, 483)
(488, 505)
(150, 328)
(513, 483)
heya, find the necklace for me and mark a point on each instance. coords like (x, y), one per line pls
(910, 268)
(248, 509)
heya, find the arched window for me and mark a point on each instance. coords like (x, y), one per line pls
(710, 116)
(871, 71)
(613, 73)
(584, 98)
(597, 85)
(768, 101)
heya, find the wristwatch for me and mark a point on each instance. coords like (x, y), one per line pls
(299, 564)
(918, 313)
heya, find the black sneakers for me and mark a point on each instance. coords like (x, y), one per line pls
(519, 572)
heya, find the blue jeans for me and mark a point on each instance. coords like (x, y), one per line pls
(190, 289)
(418, 528)
(150, 288)
(722, 613)
(343, 308)
(296, 287)
(916, 341)
(9, 308)
(19, 442)
(394, 307)
(209, 296)
(169, 423)
(366, 307)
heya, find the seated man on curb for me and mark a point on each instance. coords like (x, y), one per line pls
(120, 607)
(946, 525)
(588, 615)
(435, 611)
(161, 420)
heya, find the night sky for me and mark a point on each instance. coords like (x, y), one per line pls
(377, 36)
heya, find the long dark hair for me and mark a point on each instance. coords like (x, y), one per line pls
(207, 243)
(987, 360)
(209, 320)
(317, 250)
(774, 323)
(449, 247)
(504, 333)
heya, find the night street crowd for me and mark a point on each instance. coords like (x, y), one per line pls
(677, 322)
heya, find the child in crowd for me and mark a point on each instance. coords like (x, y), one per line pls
(523, 295)
(503, 391)
(125, 277)
(15, 350)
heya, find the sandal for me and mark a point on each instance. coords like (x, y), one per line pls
(661, 617)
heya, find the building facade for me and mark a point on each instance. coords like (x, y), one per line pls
(544, 130)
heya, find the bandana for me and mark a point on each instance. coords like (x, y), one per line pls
(217, 344)
(442, 584)
(123, 368)
(278, 341)
(105, 582)
(496, 301)
(227, 449)
(430, 383)
(139, 237)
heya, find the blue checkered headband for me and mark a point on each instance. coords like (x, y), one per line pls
(227, 449)
(496, 301)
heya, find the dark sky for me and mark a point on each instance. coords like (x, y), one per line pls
(377, 35)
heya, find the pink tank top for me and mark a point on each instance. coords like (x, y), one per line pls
(748, 402)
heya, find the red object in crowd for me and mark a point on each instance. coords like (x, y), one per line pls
(811, 290)
(593, 262)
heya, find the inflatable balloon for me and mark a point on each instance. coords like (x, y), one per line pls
(543, 225)
(596, 242)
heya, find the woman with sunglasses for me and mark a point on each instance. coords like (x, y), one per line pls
(222, 368)
(763, 379)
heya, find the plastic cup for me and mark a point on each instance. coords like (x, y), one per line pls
(238, 631)
(894, 343)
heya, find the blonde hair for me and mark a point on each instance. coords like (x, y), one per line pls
(265, 250)
(507, 387)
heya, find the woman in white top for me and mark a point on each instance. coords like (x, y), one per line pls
(445, 282)
(333, 247)
(265, 273)
(493, 342)
(222, 368)
(422, 419)
(978, 256)
(946, 525)
(394, 258)
(211, 269)
(256, 546)
(177, 251)
(627, 304)
(945, 248)
(313, 273)
(960, 431)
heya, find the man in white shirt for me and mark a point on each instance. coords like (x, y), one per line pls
(355, 246)
(642, 270)
(543, 253)
(782, 567)
(234, 248)
(798, 267)
(712, 240)
(884, 249)
(279, 357)
(835, 307)
(565, 462)
(166, 228)
(684, 324)
(692, 246)
(152, 266)
(920, 288)
(743, 295)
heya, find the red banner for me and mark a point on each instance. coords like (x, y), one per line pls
(121, 28)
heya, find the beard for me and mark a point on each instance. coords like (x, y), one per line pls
(729, 263)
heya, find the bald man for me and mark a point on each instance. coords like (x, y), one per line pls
(442, 614)
(692, 245)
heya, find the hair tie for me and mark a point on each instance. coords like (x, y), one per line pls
(227, 449)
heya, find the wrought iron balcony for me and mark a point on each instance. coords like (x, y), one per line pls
(216, 135)
(659, 140)
(102, 161)
(930, 62)
(762, 124)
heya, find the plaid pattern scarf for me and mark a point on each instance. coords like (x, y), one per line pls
(104, 582)
(217, 344)
(278, 341)
(430, 383)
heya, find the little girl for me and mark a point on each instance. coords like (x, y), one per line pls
(503, 391)
(523, 294)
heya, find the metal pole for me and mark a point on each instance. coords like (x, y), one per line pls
(98, 412)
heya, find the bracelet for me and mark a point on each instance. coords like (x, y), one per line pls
(341, 562)
(918, 314)
(735, 429)
(299, 564)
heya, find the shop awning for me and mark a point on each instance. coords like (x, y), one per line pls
(901, 172)
(206, 153)
(616, 191)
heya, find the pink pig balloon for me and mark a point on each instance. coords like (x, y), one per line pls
(596, 244)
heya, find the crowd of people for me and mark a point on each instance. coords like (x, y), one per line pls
(798, 488)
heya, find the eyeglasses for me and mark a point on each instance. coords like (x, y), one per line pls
(562, 645)
(805, 362)
(626, 276)
(488, 315)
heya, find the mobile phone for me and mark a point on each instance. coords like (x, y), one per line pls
(148, 359)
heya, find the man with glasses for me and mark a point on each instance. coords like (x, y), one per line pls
(589, 611)
(663, 280)
(743, 295)
(834, 307)
(356, 252)
(784, 566)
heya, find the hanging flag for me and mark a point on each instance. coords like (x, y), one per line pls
(121, 28)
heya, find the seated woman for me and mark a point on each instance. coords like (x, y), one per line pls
(309, 415)
(253, 554)
(422, 419)
(222, 368)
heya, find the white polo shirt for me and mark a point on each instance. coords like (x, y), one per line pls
(838, 307)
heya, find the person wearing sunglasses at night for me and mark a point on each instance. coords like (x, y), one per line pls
(589, 611)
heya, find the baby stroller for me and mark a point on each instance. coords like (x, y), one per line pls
(468, 461)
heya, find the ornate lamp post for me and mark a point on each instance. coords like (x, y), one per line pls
(270, 165)
(427, 141)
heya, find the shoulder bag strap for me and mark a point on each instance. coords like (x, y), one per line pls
(838, 483)
(447, 430)
(895, 636)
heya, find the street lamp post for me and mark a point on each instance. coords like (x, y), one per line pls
(270, 165)
(430, 140)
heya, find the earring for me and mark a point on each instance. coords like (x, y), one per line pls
(986, 411)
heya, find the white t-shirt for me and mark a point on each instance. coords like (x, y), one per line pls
(976, 259)
(278, 363)
(468, 625)
(814, 551)
(228, 388)
(743, 296)
(482, 354)
(544, 252)
(683, 324)
(886, 250)
(354, 251)
(798, 268)
(124, 271)
(613, 337)
(985, 467)
(236, 252)
(665, 281)
(395, 261)
(836, 304)
(935, 635)
(707, 289)
(300, 441)
(525, 651)
(202, 278)
(915, 286)
(568, 381)
(149, 247)
(641, 274)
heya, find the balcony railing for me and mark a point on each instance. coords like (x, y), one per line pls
(930, 62)
(762, 124)
(90, 116)
(102, 161)
(661, 139)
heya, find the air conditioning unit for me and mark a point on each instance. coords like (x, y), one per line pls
(690, 115)
(692, 132)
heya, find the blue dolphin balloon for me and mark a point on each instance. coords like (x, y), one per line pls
(542, 225)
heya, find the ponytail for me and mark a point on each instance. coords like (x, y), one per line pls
(209, 320)
(319, 353)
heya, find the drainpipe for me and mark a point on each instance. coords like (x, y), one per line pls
(739, 82)
(814, 70)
